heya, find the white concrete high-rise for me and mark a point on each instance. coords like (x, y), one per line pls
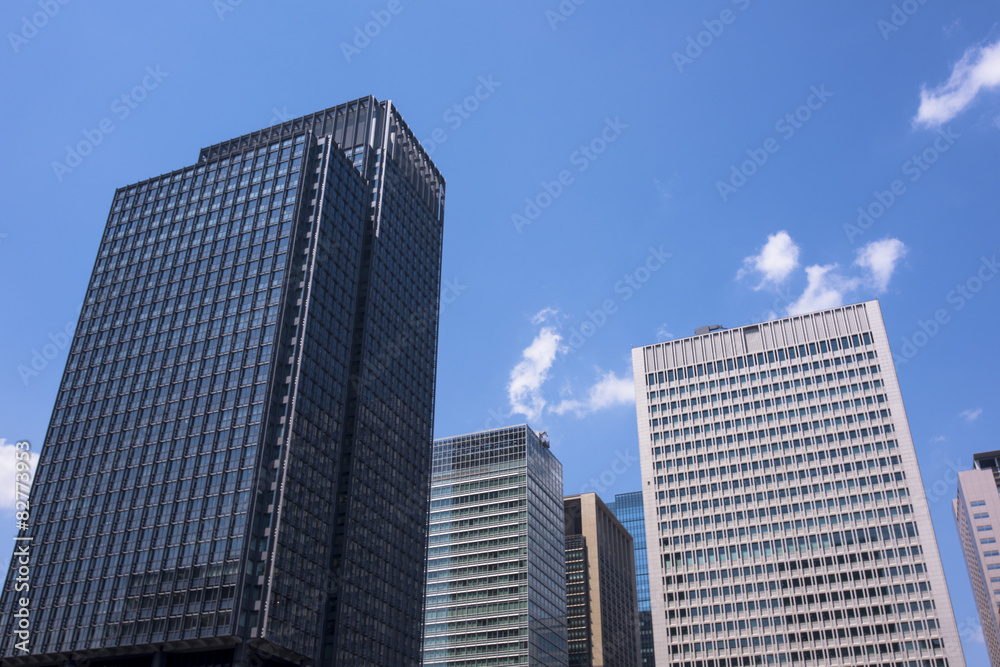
(786, 521)
(977, 514)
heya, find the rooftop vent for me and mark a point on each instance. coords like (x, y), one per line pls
(707, 329)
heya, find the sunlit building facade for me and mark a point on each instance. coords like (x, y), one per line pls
(977, 516)
(786, 520)
(603, 616)
(496, 576)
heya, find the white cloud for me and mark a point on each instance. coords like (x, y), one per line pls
(609, 391)
(8, 468)
(880, 258)
(979, 69)
(938, 438)
(971, 415)
(663, 334)
(528, 376)
(826, 289)
(544, 315)
(778, 258)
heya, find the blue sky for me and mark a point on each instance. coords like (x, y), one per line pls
(617, 174)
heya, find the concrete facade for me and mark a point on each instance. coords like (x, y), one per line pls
(977, 516)
(613, 616)
(786, 520)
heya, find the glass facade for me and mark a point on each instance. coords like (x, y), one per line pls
(495, 590)
(627, 507)
(243, 427)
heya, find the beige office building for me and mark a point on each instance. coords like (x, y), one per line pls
(786, 520)
(977, 514)
(603, 607)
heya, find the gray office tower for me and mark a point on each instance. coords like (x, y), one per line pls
(496, 575)
(786, 520)
(237, 466)
(627, 507)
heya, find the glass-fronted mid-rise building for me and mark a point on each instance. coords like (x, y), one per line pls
(237, 465)
(786, 520)
(496, 576)
(977, 516)
(628, 508)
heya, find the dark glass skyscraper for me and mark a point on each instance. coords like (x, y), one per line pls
(628, 508)
(237, 465)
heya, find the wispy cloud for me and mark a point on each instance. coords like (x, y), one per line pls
(545, 315)
(938, 438)
(826, 288)
(663, 333)
(880, 258)
(971, 414)
(776, 260)
(8, 468)
(528, 376)
(609, 391)
(978, 70)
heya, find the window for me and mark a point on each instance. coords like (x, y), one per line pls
(981, 515)
(977, 503)
(994, 552)
(988, 540)
(983, 529)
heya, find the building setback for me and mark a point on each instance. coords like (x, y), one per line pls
(237, 465)
(627, 507)
(786, 518)
(603, 622)
(496, 578)
(977, 515)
